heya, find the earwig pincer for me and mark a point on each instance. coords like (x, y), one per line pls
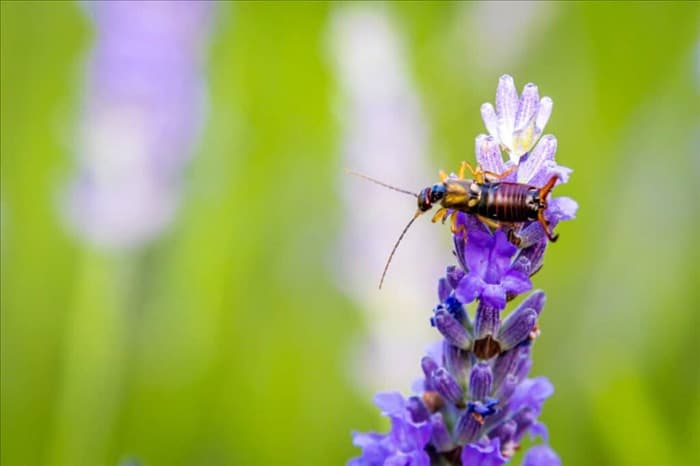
(496, 203)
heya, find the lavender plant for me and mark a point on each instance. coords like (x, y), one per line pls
(476, 401)
(143, 109)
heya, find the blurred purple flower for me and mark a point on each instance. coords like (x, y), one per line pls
(383, 127)
(143, 109)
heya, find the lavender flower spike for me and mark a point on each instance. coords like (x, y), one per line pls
(143, 109)
(476, 400)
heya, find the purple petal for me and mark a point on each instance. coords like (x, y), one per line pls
(478, 454)
(417, 410)
(457, 362)
(549, 169)
(523, 364)
(531, 393)
(516, 282)
(488, 114)
(441, 438)
(429, 367)
(453, 276)
(408, 436)
(543, 113)
(541, 455)
(494, 295)
(390, 403)
(488, 154)
(467, 429)
(413, 458)
(538, 429)
(504, 365)
(525, 418)
(527, 107)
(500, 256)
(505, 431)
(561, 208)
(486, 320)
(531, 235)
(507, 388)
(447, 386)
(517, 327)
(469, 288)
(444, 290)
(480, 381)
(535, 301)
(506, 106)
(478, 251)
(375, 449)
(543, 151)
(452, 329)
(362, 439)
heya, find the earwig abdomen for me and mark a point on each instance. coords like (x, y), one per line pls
(508, 202)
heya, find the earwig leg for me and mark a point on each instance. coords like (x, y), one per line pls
(453, 225)
(544, 192)
(477, 173)
(496, 176)
(545, 226)
(489, 222)
(440, 215)
(443, 176)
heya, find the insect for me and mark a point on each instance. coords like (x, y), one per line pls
(496, 203)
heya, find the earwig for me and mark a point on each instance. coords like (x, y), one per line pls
(494, 202)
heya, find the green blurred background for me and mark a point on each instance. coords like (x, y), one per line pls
(226, 341)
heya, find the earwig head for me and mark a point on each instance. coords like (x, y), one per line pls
(430, 195)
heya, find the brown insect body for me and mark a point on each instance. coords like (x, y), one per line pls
(499, 201)
(495, 202)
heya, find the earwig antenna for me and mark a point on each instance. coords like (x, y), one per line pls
(350, 172)
(386, 267)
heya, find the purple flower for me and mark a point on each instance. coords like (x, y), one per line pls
(143, 109)
(490, 275)
(404, 445)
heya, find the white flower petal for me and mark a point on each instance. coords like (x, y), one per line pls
(543, 151)
(523, 140)
(488, 114)
(543, 113)
(488, 154)
(527, 107)
(506, 106)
